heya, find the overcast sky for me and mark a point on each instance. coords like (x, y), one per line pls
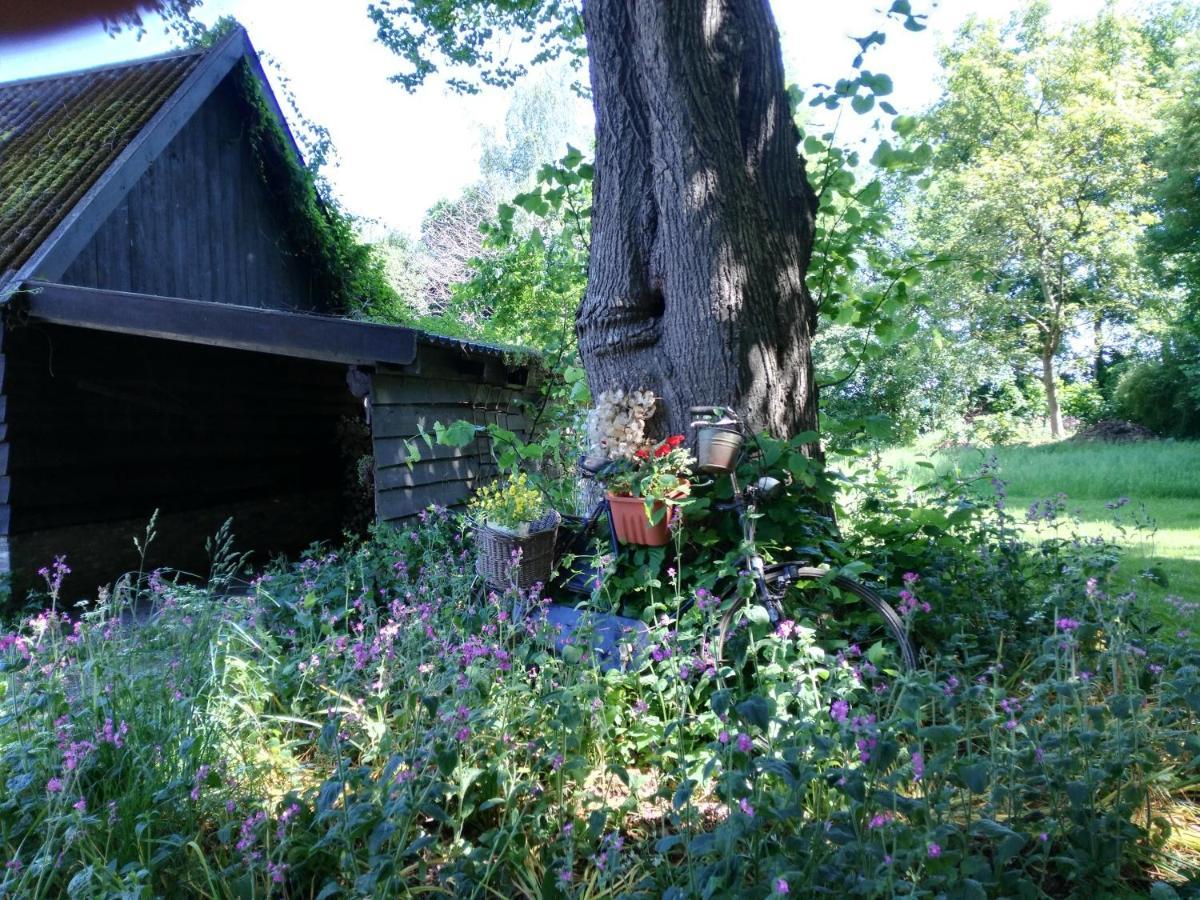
(397, 153)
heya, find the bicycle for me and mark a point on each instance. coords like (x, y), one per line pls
(786, 590)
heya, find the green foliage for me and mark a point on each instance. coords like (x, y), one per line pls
(348, 275)
(1084, 402)
(526, 287)
(1040, 167)
(1164, 393)
(868, 291)
(363, 723)
(1174, 240)
(474, 35)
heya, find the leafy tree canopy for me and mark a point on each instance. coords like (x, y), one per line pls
(476, 35)
(1041, 167)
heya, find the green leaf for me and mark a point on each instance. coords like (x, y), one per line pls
(940, 735)
(456, 434)
(719, 702)
(974, 776)
(905, 125)
(862, 103)
(878, 83)
(573, 158)
(757, 614)
(1079, 794)
(683, 794)
(756, 711)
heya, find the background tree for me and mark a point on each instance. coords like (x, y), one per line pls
(702, 219)
(1174, 240)
(1162, 391)
(1040, 170)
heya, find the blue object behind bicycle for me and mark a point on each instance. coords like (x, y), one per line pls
(602, 633)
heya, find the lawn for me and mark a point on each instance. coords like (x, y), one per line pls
(1160, 480)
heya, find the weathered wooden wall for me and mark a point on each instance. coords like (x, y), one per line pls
(103, 429)
(445, 386)
(199, 224)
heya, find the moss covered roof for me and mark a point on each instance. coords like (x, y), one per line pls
(58, 135)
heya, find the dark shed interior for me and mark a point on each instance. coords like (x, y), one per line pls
(107, 428)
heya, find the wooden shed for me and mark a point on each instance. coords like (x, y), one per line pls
(171, 337)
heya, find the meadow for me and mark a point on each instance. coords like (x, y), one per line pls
(1144, 496)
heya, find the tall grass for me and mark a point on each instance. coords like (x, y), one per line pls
(1167, 469)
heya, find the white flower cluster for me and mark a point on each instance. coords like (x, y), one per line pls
(616, 426)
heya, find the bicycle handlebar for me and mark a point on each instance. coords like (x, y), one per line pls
(711, 410)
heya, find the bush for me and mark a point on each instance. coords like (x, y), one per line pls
(1084, 402)
(1164, 394)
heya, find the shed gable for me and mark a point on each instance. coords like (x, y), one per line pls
(58, 135)
(200, 223)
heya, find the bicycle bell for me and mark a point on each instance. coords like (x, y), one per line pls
(719, 441)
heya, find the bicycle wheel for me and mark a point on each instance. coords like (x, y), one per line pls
(845, 614)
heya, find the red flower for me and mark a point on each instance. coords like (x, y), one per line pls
(641, 454)
(674, 441)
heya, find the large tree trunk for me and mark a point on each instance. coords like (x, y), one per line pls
(703, 218)
(1052, 411)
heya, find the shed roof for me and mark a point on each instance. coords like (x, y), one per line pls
(58, 135)
(72, 144)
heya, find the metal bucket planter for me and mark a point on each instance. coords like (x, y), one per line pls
(717, 449)
(504, 559)
(633, 525)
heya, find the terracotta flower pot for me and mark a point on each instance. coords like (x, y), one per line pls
(633, 525)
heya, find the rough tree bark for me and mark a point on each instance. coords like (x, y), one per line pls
(703, 218)
(1050, 329)
(1049, 348)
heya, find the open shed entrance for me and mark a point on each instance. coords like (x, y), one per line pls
(105, 428)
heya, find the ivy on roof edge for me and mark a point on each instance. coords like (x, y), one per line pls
(350, 278)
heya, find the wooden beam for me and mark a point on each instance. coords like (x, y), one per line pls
(299, 335)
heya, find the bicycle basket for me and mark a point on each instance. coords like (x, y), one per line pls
(506, 560)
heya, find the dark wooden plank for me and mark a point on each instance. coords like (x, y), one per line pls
(401, 503)
(427, 391)
(433, 472)
(406, 421)
(221, 325)
(394, 451)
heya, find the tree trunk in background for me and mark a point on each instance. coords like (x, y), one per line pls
(1098, 348)
(703, 218)
(1052, 411)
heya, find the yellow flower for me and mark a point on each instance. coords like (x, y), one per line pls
(514, 504)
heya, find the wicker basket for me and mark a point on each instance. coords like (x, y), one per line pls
(494, 552)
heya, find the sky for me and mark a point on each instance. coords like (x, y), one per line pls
(399, 153)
